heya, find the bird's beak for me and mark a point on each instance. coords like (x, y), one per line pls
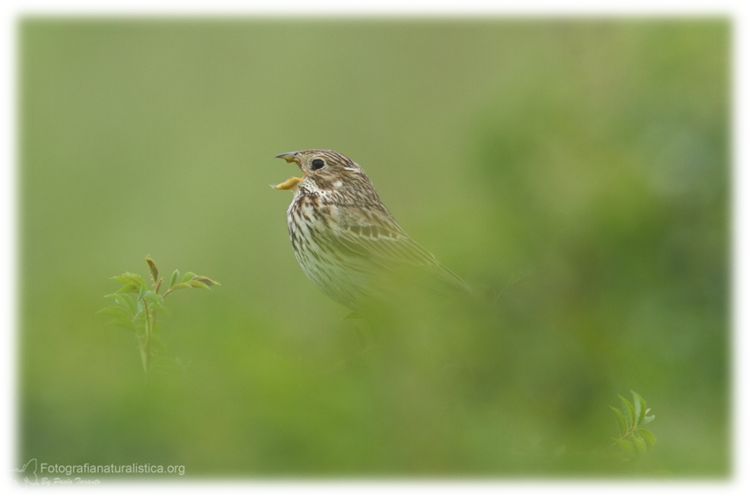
(291, 183)
(290, 157)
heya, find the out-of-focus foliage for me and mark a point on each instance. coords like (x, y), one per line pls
(576, 173)
(137, 302)
(633, 439)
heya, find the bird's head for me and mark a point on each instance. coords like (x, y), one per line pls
(322, 169)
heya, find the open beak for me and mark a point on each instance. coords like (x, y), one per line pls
(291, 183)
(290, 157)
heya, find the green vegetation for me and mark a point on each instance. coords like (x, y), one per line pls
(633, 439)
(579, 170)
(134, 306)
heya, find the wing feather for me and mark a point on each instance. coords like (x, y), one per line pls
(372, 242)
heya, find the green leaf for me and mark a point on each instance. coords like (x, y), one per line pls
(156, 301)
(135, 303)
(184, 285)
(636, 408)
(124, 301)
(648, 437)
(639, 406)
(207, 280)
(621, 421)
(630, 410)
(130, 280)
(119, 315)
(126, 289)
(626, 445)
(197, 284)
(639, 443)
(634, 439)
(174, 277)
(152, 267)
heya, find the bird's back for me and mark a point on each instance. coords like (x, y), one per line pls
(355, 250)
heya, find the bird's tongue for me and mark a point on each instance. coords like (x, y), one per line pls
(289, 184)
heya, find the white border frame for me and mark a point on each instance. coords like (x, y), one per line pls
(738, 11)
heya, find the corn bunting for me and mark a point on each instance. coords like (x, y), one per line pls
(343, 236)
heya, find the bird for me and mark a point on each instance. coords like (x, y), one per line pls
(344, 237)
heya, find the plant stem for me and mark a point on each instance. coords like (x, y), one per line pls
(146, 353)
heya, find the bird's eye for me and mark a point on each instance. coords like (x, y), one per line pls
(317, 164)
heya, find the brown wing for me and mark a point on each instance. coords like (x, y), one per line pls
(372, 241)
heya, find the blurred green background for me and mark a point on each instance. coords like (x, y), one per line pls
(580, 169)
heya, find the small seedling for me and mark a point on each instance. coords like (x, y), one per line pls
(633, 439)
(137, 302)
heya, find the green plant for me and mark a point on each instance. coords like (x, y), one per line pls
(633, 439)
(136, 304)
